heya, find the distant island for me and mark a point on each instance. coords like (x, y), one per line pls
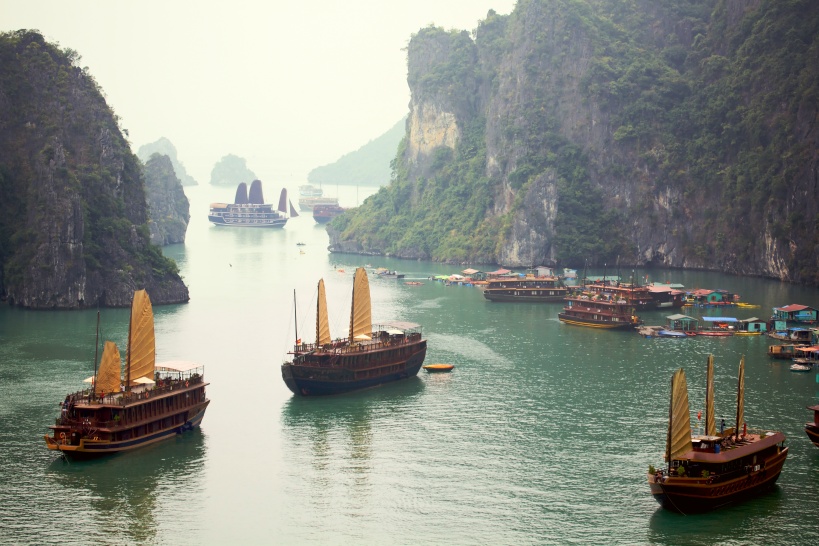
(367, 166)
(164, 146)
(231, 171)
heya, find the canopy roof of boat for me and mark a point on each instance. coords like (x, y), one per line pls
(177, 366)
(398, 325)
(720, 319)
(752, 319)
(814, 349)
(733, 453)
(680, 317)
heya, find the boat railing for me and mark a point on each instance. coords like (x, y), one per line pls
(86, 397)
(342, 346)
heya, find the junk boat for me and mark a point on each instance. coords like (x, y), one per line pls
(370, 355)
(124, 410)
(250, 210)
(707, 471)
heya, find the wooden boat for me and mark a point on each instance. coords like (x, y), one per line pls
(308, 203)
(250, 210)
(797, 367)
(324, 213)
(369, 356)
(714, 333)
(782, 352)
(384, 273)
(438, 368)
(812, 429)
(150, 403)
(598, 311)
(671, 333)
(413, 283)
(529, 288)
(707, 471)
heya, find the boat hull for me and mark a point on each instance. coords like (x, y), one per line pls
(689, 495)
(240, 222)
(299, 382)
(812, 431)
(591, 323)
(89, 448)
(492, 296)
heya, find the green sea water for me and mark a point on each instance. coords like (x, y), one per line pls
(541, 435)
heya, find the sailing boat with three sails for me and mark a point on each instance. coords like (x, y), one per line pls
(370, 355)
(126, 409)
(707, 471)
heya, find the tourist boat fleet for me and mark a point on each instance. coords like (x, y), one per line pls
(249, 209)
(127, 408)
(370, 355)
(144, 402)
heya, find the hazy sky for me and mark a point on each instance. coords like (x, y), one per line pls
(288, 85)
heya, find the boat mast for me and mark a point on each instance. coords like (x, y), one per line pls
(295, 317)
(670, 424)
(96, 354)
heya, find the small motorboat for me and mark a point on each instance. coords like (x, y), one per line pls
(414, 283)
(671, 333)
(438, 367)
(800, 368)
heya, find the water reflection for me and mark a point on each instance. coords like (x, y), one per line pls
(121, 498)
(331, 438)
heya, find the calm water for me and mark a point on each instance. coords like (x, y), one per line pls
(542, 434)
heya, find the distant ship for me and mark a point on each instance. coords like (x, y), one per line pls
(308, 203)
(370, 355)
(324, 213)
(308, 190)
(250, 210)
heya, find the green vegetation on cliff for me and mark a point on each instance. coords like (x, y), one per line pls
(681, 133)
(73, 215)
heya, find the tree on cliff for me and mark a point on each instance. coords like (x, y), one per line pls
(73, 214)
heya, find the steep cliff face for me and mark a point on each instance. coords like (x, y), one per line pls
(659, 132)
(168, 207)
(73, 212)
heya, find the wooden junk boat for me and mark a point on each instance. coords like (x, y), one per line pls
(152, 402)
(369, 356)
(708, 471)
(530, 288)
(599, 311)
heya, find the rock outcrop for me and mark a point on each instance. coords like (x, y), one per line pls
(163, 146)
(168, 207)
(73, 213)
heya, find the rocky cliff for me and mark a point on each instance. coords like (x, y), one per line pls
(168, 207)
(73, 213)
(661, 132)
(163, 146)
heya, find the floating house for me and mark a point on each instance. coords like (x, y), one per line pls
(753, 324)
(681, 323)
(703, 297)
(794, 312)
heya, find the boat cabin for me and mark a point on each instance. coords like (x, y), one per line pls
(801, 314)
(807, 355)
